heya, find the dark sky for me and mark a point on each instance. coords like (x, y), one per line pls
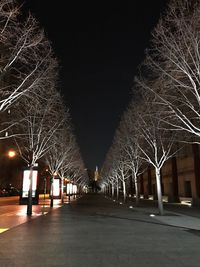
(99, 47)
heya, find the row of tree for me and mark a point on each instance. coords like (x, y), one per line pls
(31, 105)
(164, 112)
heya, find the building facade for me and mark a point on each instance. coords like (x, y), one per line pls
(180, 177)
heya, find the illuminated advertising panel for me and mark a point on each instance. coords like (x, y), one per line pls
(26, 183)
(74, 188)
(56, 187)
(69, 189)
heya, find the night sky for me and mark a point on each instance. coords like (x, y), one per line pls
(99, 47)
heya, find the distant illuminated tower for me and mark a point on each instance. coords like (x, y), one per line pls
(96, 174)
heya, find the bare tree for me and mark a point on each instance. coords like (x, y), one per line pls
(59, 151)
(64, 158)
(109, 174)
(68, 159)
(83, 182)
(155, 142)
(174, 60)
(26, 57)
(123, 156)
(41, 118)
(78, 169)
(117, 170)
(67, 167)
(130, 145)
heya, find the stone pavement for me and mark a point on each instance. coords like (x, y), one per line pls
(94, 231)
(174, 214)
(13, 214)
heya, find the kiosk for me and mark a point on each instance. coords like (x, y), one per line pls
(56, 188)
(25, 187)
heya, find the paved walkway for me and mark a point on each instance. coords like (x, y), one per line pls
(174, 214)
(12, 214)
(94, 231)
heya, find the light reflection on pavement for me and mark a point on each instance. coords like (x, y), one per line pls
(13, 214)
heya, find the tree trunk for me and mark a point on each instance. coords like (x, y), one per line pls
(159, 191)
(52, 181)
(110, 190)
(136, 190)
(124, 190)
(117, 189)
(149, 181)
(131, 185)
(113, 190)
(62, 193)
(29, 206)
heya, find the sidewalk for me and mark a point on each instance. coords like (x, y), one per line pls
(12, 215)
(176, 215)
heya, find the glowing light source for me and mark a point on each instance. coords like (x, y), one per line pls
(11, 153)
(185, 202)
(3, 230)
(69, 189)
(26, 183)
(56, 187)
(74, 188)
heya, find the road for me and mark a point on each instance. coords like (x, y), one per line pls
(94, 231)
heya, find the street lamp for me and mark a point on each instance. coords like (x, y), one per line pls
(11, 153)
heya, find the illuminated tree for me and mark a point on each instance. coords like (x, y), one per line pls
(78, 169)
(173, 60)
(41, 118)
(116, 169)
(31, 108)
(59, 150)
(156, 143)
(26, 57)
(73, 167)
(63, 158)
(109, 173)
(129, 139)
